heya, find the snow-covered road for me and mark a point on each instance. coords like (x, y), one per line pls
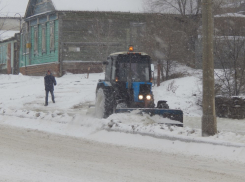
(28, 155)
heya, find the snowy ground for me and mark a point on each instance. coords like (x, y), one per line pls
(22, 105)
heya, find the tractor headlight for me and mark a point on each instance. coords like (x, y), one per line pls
(148, 97)
(141, 97)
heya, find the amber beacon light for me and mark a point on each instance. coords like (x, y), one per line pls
(131, 48)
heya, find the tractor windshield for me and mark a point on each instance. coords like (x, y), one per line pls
(140, 68)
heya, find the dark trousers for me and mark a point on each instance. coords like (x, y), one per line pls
(52, 94)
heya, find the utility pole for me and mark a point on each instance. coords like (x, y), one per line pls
(209, 122)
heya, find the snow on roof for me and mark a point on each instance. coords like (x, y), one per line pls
(11, 7)
(230, 15)
(5, 34)
(134, 6)
(117, 53)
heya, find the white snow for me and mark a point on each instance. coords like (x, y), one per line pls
(230, 15)
(6, 34)
(134, 6)
(73, 114)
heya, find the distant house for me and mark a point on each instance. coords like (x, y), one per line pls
(9, 45)
(229, 39)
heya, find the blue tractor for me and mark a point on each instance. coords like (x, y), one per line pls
(128, 86)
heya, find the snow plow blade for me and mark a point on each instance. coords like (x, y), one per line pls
(175, 116)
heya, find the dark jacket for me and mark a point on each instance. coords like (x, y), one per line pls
(49, 82)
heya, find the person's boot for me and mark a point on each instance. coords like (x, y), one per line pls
(53, 101)
(46, 104)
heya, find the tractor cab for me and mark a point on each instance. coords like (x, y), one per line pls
(129, 73)
(133, 67)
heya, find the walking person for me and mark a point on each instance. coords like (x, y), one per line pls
(49, 82)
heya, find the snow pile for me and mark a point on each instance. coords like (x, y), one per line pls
(182, 93)
(230, 15)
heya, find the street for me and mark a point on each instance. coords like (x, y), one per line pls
(30, 155)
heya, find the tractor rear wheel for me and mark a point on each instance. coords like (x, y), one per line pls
(104, 103)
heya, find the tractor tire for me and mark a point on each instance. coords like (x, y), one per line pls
(104, 103)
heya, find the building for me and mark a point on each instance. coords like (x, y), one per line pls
(58, 38)
(9, 45)
(11, 14)
(9, 55)
(63, 37)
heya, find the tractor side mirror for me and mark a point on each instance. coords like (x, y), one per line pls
(152, 67)
(105, 62)
(152, 74)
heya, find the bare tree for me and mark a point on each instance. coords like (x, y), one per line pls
(166, 43)
(7, 23)
(230, 52)
(189, 12)
(182, 7)
(2, 20)
(168, 52)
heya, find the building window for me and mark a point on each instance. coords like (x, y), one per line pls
(74, 49)
(44, 38)
(25, 39)
(35, 40)
(108, 70)
(52, 41)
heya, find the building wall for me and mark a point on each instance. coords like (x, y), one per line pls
(7, 57)
(41, 70)
(40, 57)
(92, 36)
(3, 58)
(88, 38)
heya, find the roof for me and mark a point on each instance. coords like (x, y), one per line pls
(4, 34)
(126, 53)
(134, 6)
(11, 7)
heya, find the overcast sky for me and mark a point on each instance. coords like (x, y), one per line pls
(100, 5)
(11, 7)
